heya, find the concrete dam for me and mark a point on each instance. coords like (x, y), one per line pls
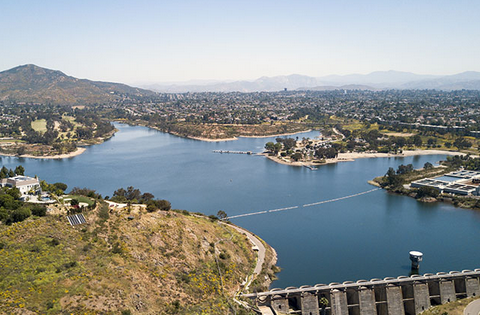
(390, 296)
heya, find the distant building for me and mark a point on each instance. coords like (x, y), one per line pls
(24, 183)
(462, 182)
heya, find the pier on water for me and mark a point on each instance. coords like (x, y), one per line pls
(232, 152)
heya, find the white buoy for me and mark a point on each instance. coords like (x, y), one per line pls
(416, 257)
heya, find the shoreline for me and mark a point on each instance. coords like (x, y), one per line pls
(237, 137)
(209, 139)
(350, 157)
(78, 151)
(278, 135)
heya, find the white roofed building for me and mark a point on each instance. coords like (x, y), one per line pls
(25, 184)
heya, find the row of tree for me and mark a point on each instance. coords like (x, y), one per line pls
(5, 172)
(133, 195)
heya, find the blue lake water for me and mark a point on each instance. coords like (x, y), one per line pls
(358, 238)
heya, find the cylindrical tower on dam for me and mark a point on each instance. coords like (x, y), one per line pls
(416, 257)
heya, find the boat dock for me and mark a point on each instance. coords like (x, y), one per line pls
(232, 152)
(310, 167)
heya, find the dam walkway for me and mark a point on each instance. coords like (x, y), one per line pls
(389, 296)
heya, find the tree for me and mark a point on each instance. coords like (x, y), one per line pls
(21, 150)
(147, 197)
(270, 146)
(417, 140)
(222, 215)
(163, 204)
(432, 141)
(297, 156)
(4, 172)
(428, 166)
(391, 178)
(400, 141)
(427, 192)
(289, 143)
(19, 170)
(132, 193)
(326, 153)
(462, 143)
(404, 169)
(277, 147)
(60, 186)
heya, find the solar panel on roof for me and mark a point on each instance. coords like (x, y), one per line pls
(76, 219)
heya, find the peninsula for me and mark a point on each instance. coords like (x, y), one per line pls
(456, 180)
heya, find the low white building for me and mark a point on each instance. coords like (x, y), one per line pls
(462, 182)
(25, 184)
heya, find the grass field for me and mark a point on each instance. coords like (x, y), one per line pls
(80, 199)
(39, 125)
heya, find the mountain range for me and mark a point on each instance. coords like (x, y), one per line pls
(30, 83)
(378, 80)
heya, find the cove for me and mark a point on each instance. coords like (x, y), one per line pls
(358, 238)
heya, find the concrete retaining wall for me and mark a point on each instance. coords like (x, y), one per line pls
(390, 296)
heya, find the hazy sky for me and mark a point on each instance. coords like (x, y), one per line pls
(156, 41)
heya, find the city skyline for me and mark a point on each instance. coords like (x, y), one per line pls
(153, 42)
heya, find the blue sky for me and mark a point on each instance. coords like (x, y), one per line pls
(159, 41)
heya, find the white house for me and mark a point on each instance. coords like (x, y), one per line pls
(24, 183)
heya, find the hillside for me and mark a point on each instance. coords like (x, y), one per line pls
(30, 83)
(151, 263)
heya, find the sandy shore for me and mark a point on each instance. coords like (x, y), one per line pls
(236, 138)
(348, 157)
(210, 140)
(278, 135)
(78, 151)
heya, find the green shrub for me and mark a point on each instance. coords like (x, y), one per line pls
(103, 212)
(427, 192)
(38, 210)
(19, 215)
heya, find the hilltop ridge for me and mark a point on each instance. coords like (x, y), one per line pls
(31, 83)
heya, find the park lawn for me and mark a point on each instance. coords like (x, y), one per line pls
(39, 125)
(80, 199)
(396, 133)
(357, 125)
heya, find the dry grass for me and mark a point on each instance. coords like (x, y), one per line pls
(452, 308)
(39, 125)
(157, 263)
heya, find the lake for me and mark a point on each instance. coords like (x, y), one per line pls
(357, 238)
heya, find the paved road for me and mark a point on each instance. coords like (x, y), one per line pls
(259, 244)
(473, 308)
